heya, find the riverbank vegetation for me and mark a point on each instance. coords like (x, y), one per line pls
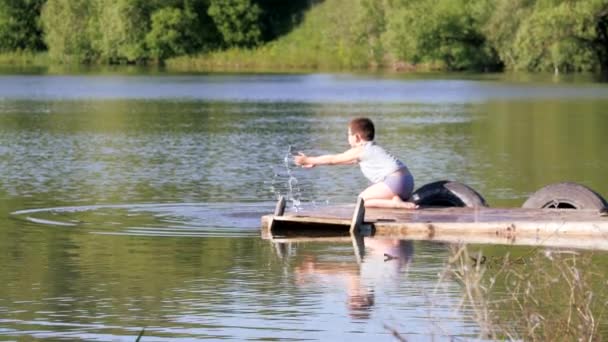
(545, 295)
(486, 35)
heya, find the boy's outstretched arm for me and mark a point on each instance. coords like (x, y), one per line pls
(349, 157)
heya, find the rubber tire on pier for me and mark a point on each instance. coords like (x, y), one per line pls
(447, 194)
(565, 196)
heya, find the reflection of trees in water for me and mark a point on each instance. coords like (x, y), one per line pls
(524, 142)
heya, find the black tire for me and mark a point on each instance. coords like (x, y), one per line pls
(448, 194)
(565, 196)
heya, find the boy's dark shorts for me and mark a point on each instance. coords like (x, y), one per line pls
(401, 185)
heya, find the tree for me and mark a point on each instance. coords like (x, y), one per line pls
(181, 30)
(370, 26)
(278, 17)
(440, 30)
(120, 29)
(237, 21)
(500, 28)
(599, 41)
(563, 35)
(556, 35)
(67, 28)
(169, 35)
(19, 25)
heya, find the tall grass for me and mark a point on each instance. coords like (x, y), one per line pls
(24, 58)
(546, 296)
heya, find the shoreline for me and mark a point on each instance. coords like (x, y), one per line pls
(24, 62)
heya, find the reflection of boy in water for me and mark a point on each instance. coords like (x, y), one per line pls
(360, 304)
(398, 252)
(393, 255)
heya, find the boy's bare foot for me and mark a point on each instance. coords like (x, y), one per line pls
(401, 204)
(410, 205)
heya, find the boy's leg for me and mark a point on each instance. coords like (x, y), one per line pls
(379, 195)
(377, 191)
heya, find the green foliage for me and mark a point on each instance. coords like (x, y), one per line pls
(557, 37)
(169, 34)
(87, 31)
(534, 35)
(178, 31)
(67, 27)
(19, 25)
(279, 17)
(203, 35)
(440, 30)
(237, 21)
(24, 58)
(120, 28)
(335, 46)
(121, 31)
(550, 35)
(369, 27)
(402, 35)
(500, 29)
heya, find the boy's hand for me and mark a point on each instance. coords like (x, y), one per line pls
(301, 160)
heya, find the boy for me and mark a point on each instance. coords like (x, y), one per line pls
(392, 182)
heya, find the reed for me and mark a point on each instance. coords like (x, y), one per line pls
(24, 58)
(141, 334)
(271, 57)
(544, 296)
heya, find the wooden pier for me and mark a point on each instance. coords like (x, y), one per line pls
(551, 227)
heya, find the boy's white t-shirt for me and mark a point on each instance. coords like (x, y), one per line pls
(376, 163)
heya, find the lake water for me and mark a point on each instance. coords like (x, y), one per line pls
(131, 201)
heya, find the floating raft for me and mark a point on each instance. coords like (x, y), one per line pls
(551, 227)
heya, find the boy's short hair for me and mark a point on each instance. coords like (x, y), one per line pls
(364, 127)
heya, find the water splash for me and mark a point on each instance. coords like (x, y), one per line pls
(287, 180)
(294, 195)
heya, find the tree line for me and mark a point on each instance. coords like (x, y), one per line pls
(132, 31)
(533, 35)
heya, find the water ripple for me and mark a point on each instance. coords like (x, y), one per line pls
(154, 219)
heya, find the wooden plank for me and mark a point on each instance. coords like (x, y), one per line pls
(450, 215)
(557, 226)
(358, 216)
(300, 239)
(552, 241)
(314, 220)
(279, 209)
(498, 228)
(457, 214)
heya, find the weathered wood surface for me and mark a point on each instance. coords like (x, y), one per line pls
(587, 228)
(358, 216)
(279, 209)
